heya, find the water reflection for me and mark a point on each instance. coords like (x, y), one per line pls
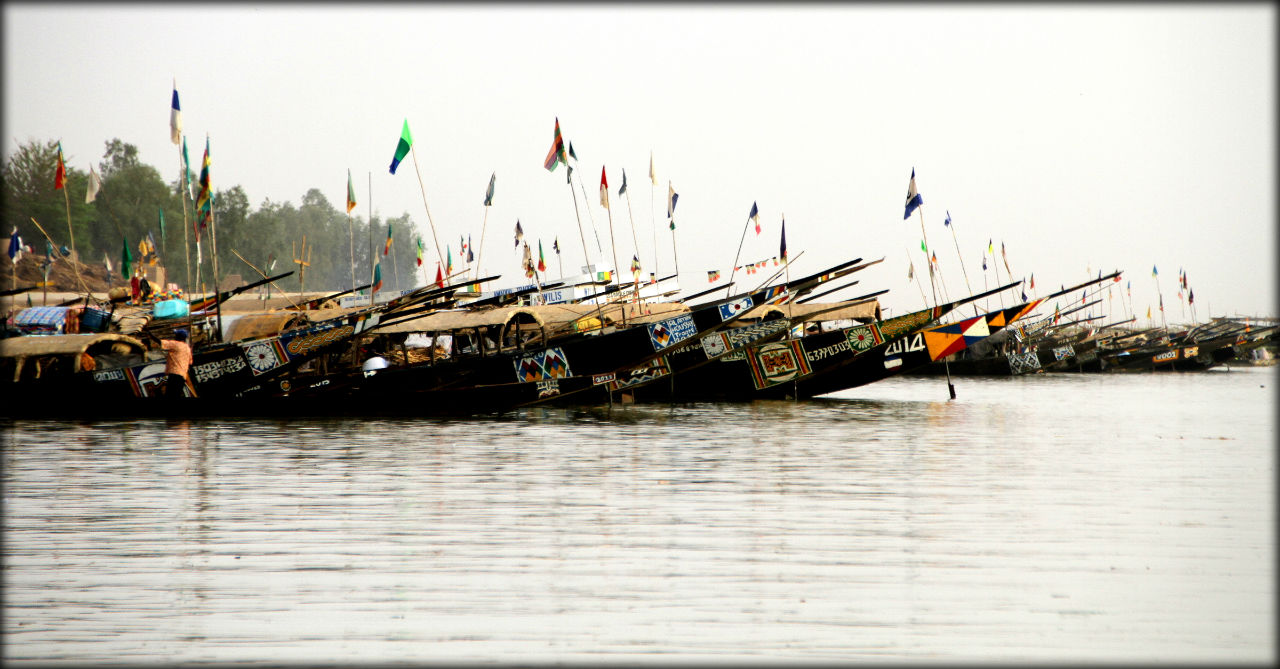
(1061, 520)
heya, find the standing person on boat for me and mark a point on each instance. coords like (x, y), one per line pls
(177, 359)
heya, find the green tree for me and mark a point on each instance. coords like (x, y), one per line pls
(28, 192)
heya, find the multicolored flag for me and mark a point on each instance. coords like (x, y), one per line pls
(555, 155)
(488, 192)
(60, 176)
(542, 263)
(571, 153)
(1191, 296)
(386, 248)
(175, 117)
(420, 249)
(713, 275)
(604, 190)
(1153, 271)
(1005, 258)
(204, 201)
(755, 216)
(519, 233)
(913, 198)
(377, 277)
(95, 184)
(351, 193)
(448, 259)
(1033, 281)
(402, 146)
(471, 257)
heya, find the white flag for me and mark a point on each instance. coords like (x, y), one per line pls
(95, 183)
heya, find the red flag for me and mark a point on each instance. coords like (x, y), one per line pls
(439, 276)
(60, 178)
(604, 190)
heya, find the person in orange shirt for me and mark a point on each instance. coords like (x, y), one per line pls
(177, 359)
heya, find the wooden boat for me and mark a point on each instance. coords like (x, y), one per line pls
(486, 379)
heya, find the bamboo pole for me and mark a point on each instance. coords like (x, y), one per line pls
(423, 188)
(46, 236)
(185, 186)
(373, 258)
(75, 264)
(737, 255)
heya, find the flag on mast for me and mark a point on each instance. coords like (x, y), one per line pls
(387, 247)
(439, 276)
(604, 189)
(947, 221)
(95, 184)
(542, 263)
(15, 246)
(420, 249)
(204, 202)
(448, 259)
(635, 267)
(60, 176)
(488, 193)
(519, 233)
(351, 193)
(402, 146)
(623, 189)
(377, 278)
(175, 117)
(471, 257)
(186, 165)
(913, 197)
(672, 195)
(782, 250)
(755, 216)
(556, 154)
(126, 260)
(653, 179)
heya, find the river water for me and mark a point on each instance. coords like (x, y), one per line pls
(1123, 518)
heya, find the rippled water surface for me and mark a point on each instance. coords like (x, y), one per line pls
(1057, 517)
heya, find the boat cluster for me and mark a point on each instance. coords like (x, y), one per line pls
(456, 350)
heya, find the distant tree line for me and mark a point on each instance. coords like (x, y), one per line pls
(133, 200)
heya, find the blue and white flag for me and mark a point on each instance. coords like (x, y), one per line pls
(175, 117)
(15, 246)
(755, 216)
(947, 220)
(913, 198)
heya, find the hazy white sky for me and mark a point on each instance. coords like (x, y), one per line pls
(1082, 136)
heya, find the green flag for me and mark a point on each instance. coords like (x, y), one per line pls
(402, 147)
(126, 260)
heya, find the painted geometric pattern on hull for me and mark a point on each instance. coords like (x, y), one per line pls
(777, 362)
(543, 365)
(943, 340)
(671, 331)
